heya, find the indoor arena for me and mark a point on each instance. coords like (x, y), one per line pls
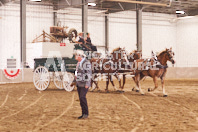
(99, 65)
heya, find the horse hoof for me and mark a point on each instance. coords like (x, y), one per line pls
(149, 90)
(165, 95)
(137, 91)
(107, 91)
(133, 89)
(120, 91)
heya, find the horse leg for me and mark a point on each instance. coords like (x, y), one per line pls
(116, 75)
(92, 81)
(96, 86)
(124, 79)
(155, 82)
(107, 83)
(137, 81)
(163, 88)
(111, 79)
(95, 82)
(92, 85)
(135, 87)
(139, 78)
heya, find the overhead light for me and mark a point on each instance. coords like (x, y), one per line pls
(181, 18)
(186, 17)
(91, 4)
(35, 0)
(102, 11)
(180, 12)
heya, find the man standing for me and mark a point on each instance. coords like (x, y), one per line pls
(83, 76)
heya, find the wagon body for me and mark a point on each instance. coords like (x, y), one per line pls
(56, 64)
(54, 60)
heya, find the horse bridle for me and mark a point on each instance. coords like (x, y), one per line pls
(136, 54)
(170, 56)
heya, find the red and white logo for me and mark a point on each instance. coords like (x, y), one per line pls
(62, 44)
(11, 73)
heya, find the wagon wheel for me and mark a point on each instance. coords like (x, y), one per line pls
(58, 80)
(72, 34)
(67, 80)
(41, 78)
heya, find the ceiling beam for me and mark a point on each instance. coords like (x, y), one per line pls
(125, 6)
(192, 12)
(1, 3)
(140, 2)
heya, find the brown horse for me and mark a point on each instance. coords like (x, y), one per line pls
(131, 57)
(108, 66)
(147, 68)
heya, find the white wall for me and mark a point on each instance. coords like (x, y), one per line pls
(160, 31)
(9, 34)
(39, 18)
(187, 42)
(122, 30)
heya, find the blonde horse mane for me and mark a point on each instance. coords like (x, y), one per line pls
(116, 49)
(133, 52)
(162, 52)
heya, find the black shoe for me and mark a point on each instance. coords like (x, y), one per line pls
(84, 116)
(80, 117)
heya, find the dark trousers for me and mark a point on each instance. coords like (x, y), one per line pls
(82, 91)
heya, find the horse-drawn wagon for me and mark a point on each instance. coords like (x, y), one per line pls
(57, 64)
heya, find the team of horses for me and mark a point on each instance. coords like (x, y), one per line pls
(119, 62)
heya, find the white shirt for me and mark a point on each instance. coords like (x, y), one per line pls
(78, 38)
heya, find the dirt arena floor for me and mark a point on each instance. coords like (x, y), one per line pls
(23, 108)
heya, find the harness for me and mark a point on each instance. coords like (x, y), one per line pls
(156, 64)
(109, 62)
(100, 63)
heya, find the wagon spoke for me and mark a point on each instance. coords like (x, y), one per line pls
(41, 78)
(37, 82)
(68, 79)
(45, 84)
(42, 86)
(61, 85)
(58, 80)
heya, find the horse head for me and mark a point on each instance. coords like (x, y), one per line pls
(116, 54)
(137, 54)
(119, 55)
(134, 55)
(170, 55)
(166, 55)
